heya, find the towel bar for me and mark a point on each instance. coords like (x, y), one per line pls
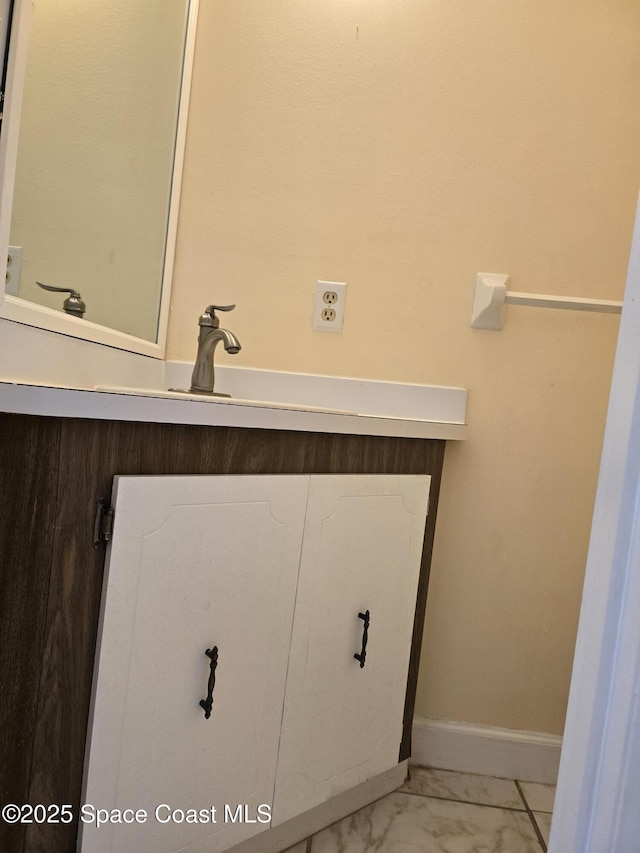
(491, 296)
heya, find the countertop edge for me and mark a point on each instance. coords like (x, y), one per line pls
(48, 401)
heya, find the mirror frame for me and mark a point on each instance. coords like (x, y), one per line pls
(28, 313)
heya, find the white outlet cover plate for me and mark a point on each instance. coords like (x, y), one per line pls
(340, 289)
(14, 264)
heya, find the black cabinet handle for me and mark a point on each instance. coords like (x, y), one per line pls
(365, 636)
(207, 703)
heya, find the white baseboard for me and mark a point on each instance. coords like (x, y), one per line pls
(507, 753)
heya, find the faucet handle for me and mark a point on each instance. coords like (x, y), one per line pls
(213, 308)
(208, 317)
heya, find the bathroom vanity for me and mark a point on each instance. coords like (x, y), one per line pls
(56, 468)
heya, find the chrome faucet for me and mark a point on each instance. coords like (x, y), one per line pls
(209, 337)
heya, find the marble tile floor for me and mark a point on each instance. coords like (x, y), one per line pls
(443, 811)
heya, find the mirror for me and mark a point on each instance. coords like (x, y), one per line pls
(97, 164)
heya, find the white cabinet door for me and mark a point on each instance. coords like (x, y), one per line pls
(195, 562)
(342, 723)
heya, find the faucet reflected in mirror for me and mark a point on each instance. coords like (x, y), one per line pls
(73, 304)
(210, 335)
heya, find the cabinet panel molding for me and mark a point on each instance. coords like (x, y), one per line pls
(195, 563)
(343, 715)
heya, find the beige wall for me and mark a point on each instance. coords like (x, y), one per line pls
(402, 146)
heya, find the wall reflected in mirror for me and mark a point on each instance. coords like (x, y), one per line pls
(95, 156)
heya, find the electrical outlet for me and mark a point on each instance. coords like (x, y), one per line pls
(12, 277)
(328, 306)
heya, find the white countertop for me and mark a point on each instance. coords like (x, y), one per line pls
(317, 403)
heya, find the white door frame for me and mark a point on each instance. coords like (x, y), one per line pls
(596, 806)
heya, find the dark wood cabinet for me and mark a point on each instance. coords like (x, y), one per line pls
(52, 472)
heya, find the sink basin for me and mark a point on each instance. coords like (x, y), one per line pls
(216, 399)
(259, 390)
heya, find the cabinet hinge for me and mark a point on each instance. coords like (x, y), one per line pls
(103, 524)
